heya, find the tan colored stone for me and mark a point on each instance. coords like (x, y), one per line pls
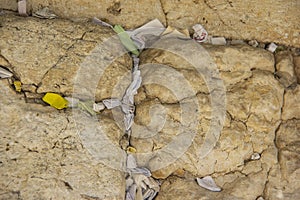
(297, 67)
(234, 62)
(287, 136)
(254, 92)
(128, 13)
(291, 104)
(18, 46)
(42, 156)
(241, 58)
(235, 186)
(9, 5)
(29, 88)
(239, 19)
(45, 155)
(253, 107)
(283, 177)
(68, 54)
(235, 20)
(285, 68)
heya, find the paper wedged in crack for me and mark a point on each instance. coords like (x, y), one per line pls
(208, 183)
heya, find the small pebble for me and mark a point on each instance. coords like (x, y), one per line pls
(260, 198)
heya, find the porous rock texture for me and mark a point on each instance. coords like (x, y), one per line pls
(46, 55)
(265, 21)
(43, 157)
(258, 112)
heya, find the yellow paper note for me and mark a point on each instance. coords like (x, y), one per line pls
(55, 100)
(18, 86)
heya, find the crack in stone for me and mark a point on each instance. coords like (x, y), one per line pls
(58, 61)
(89, 197)
(264, 194)
(44, 33)
(220, 18)
(18, 193)
(163, 10)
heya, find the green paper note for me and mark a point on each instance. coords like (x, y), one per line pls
(126, 40)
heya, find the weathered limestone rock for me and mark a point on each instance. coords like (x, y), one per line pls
(237, 20)
(9, 5)
(128, 13)
(42, 156)
(248, 183)
(297, 67)
(254, 100)
(235, 186)
(235, 64)
(284, 178)
(285, 68)
(291, 104)
(53, 55)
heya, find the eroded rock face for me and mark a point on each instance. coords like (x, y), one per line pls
(296, 60)
(283, 178)
(291, 104)
(42, 156)
(128, 13)
(253, 109)
(285, 69)
(238, 19)
(53, 56)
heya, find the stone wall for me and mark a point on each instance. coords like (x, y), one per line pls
(43, 157)
(265, 21)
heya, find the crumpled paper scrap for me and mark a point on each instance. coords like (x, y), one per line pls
(139, 183)
(208, 183)
(200, 34)
(5, 73)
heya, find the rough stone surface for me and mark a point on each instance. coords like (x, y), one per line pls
(285, 69)
(42, 156)
(284, 177)
(236, 186)
(291, 104)
(9, 5)
(239, 19)
(55, 55)
(231, 19)
(128, 13)
(297, 67)
(250, 122)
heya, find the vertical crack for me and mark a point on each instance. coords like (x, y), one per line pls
(163, 9)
